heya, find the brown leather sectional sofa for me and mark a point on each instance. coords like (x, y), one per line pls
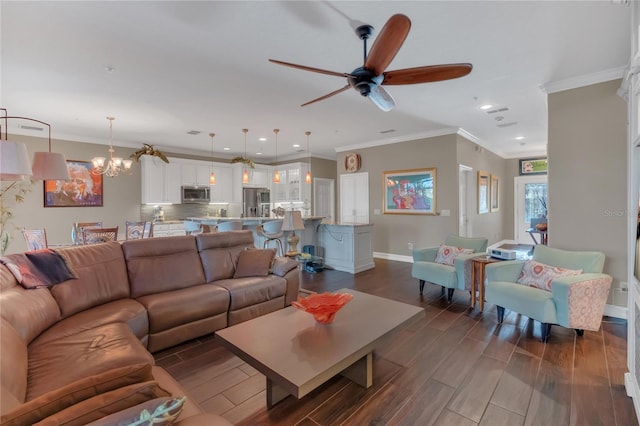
(128, 300)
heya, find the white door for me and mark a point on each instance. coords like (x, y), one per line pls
(464, 181)
(530, 202)
(354, 198)
(324, 198)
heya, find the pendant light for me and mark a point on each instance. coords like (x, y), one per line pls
(276, 174)
(212, 175)
(307, 178)
(245, 173)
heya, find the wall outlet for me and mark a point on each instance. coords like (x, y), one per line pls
(623, 285)
(445, 212)
(410, 246)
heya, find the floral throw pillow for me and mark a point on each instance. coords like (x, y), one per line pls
(539, 275)
(447, 254)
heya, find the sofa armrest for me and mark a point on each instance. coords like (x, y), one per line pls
(427, 254)
(282, 265)
(462, 265)
(580, 300)
(508, 271)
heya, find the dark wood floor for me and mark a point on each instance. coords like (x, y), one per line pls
(455, 367)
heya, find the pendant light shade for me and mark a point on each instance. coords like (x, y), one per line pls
(276, 174)
(245, 173)
(307, 178)
(14, 161)
(49, 165)
(212, 175)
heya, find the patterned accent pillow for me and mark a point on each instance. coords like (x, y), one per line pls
(539, 275)
(447, 254)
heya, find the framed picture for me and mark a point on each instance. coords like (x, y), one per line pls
(495, 204)
(83, 190)
(533, 166)
(410, 191)
(483, 192)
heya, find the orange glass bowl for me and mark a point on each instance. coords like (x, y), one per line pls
(323, 306)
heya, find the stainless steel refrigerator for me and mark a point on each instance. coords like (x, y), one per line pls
(256, 202)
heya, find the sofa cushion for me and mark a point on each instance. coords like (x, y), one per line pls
(104, 404)
(102, 277)
(90, 352)
(254, 263)
(30, 312)
(13, 365)
(157, 265)
(447, 254)
(173, 308)
(540, 275)
(58, 399)
(253, 290)
(219, 252)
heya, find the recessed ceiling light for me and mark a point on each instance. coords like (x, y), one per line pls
(485, 107)
(519, 138)
(226, 149)
(262, 139)
(295, 145)
(258, 153)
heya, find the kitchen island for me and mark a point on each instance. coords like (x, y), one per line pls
(348, 247)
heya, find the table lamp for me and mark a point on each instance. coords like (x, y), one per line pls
(292, 221)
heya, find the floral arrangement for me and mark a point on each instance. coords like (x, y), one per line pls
(246, 161)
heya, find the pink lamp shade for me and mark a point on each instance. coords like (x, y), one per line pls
(50, 166)
(14, 161)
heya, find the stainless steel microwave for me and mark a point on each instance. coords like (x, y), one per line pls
(196, 195)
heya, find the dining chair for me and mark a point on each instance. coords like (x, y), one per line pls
(134, 230)
(148, 230)
(232, 225)
(99, 235)
(209, 228)
(36, 238)
(78, 228)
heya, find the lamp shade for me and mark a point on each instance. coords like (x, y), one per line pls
(292, 220)
(50, 166)
(14, 161)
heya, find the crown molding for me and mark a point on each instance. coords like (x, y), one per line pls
(584, 80)
(390, 141)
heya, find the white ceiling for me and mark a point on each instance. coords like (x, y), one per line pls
(181, 66)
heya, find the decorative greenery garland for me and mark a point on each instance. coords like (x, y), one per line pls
(246, 161)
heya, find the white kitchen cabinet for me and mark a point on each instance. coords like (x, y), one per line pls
(168, 229)
(195, 174)
(160, 181)
(292, 186)
(222, 191)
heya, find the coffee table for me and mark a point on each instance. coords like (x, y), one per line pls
(297, 355)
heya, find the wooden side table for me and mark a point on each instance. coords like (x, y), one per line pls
(478, 265)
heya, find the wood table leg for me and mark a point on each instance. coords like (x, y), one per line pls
(481, 288)
(473, 284)
(361, 371)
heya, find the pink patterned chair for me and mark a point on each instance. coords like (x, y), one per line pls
(560, 287)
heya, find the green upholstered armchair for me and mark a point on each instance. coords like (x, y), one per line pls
(575, 301)
(426, 269)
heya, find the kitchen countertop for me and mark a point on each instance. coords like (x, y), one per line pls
(246, 219)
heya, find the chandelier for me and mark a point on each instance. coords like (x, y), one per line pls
(115, 165)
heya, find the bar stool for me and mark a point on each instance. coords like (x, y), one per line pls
(232, 225)
(271, 231)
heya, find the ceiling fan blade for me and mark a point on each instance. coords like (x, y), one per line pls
(426, 74)
(302, 67)
(335, 92)
(381, 98)
(388, 43)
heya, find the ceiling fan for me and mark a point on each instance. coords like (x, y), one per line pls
(369, 78)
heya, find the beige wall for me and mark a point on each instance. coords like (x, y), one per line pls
(393, 232)
(587, 152)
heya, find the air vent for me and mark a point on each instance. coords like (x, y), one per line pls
(493, 111)
(388, 131)
(194, 132)
(513, 123)
(39, 129)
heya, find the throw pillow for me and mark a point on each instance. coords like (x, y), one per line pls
(159, 411)
(104, 404)
(447, 254)
(540, 275)
(254, 263)
(56, 400)
(39, 268)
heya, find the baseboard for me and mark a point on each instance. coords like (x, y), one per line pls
(631, 386)
(391, 256)
(616, 311)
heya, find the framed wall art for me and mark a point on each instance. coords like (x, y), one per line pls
(533, 166)
(410, 191)
(495, 191)
(483, 192)
(83, 190)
